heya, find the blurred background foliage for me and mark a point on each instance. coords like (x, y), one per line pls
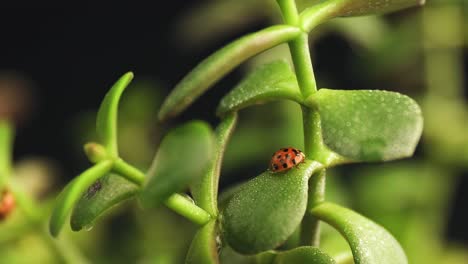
(419, 52)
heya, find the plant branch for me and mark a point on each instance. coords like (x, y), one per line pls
(178, 203)
(188, 209)
(6, 142)
(289, 11)
(313, 144)
(310, 231)
(129, 172)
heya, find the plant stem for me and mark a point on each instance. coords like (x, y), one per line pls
(300, 55)
(6, 142)
(129, 172)
(176, 202)
(310, 229)
(313, 144)
(289, 11)
(188, 209)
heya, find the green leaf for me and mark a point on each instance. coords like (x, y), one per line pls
(102, 195)
(204, 248)
(304, 255)
(369, 242)
(213, 68)
(205, 191)
(6, 150)
(267, 209)
(368, 125)
(72, 193)
(319, 13)
(268, 82)
(106, 123)
(183, 156)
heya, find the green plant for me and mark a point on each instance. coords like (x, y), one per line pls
(340, 126)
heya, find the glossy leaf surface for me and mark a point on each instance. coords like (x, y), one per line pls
(203, 248)
(106, 123)
(205, 191)
(73, 192)
(272, 81)
(213, 68)
(368, 125)
(369, 242)
(183, 156)
(267, 209)
(105, 193)
(304, 255)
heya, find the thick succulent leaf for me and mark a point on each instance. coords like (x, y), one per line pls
(6, 144)
(328, 9)
(106, 123)
(204, 248)
(213, 68)
(183, 156)
(304, 255)
(369, 7)
(267, 209)
(72, 193)
(369, 242)
(271, 81)
(368, 125)
(205, 191)
(105, 193)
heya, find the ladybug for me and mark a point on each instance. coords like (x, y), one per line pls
(7, 204)
(285, 159)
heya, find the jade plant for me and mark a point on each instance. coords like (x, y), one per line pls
(274, 217)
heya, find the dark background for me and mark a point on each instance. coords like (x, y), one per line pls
(72, 56)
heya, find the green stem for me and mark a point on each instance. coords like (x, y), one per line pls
(289, 11)
(6, 143)
(313, 144)
(129, 172)
(176, 202)
(300, 55)
(316, 14)
(188, 209)
(310, 229)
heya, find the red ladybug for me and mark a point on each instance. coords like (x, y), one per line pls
(7, 204)
(285, 159)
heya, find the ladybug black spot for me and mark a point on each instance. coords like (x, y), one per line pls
(275, 167)
(287, 156)
(295, 151)
(285, 165)
(278, 157)
(294, 161)
(285, 150)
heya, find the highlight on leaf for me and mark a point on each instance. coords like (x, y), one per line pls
(271, 81)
